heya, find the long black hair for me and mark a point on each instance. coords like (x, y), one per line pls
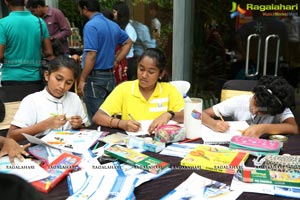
(123, 14)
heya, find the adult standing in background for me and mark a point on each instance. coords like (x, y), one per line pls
(155, 23)
(20, 45)
(121, 16)
(57, 24)
(100, 38)
(143, 42)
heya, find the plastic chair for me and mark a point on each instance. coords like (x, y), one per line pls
(182, 86)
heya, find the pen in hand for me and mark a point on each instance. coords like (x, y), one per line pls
(219, 115)
(132, 118)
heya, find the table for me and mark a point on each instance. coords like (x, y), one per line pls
(10, 109)
(157, 188)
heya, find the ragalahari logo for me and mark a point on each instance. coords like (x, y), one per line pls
(236, 10)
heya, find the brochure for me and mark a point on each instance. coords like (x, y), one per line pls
(198, 187)
(77, 141)
(28, 170)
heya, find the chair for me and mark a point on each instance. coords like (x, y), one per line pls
(11, 96)
(182, 86)
(237, 87)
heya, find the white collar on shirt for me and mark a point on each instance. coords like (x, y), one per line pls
(52, 98)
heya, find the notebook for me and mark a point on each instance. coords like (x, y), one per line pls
(215, 158)
(137, 159)
(212, 137)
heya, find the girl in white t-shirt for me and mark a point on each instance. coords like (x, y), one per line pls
(266, 110)
(54, 107)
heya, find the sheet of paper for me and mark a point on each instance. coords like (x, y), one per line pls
(178, 150)
(33, 139)
(144, 128)
(71, 141)
(100, 186)
(115, 138)
(28, 170)
(198, 187)
(252, 187)
(141, 175)
(211, 137)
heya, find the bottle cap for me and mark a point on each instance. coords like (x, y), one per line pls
(280, 138)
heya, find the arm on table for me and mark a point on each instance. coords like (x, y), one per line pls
(288, 126)
(216, 125)
(103, 119)
(53, 122)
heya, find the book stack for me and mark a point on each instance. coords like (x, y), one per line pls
(265, 176)
(215, 158)
(265, 181)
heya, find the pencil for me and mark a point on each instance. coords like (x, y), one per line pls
(191, 140)
(219, 115)
(131, 117)
(221, 118)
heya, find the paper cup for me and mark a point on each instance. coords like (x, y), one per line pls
(193, 118)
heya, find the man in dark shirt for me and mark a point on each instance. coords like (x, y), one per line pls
(57, 24)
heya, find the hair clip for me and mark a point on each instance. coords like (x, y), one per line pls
(270, 91)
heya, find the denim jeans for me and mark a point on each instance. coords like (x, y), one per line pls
(98, 86)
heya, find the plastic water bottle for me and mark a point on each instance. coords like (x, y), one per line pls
(187, 99)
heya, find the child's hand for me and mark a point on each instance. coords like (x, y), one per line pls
(254, 131)
(13, 149)
(58, 121)
(75, 121)
(163, 119)
(221, 126)
(132, 125)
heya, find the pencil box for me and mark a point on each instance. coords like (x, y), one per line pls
(282, 163)
(169, 133)
(58, 169)
(257, 145)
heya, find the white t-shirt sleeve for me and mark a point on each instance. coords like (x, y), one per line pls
(236, 107)
(287, 113)
(26, 115)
